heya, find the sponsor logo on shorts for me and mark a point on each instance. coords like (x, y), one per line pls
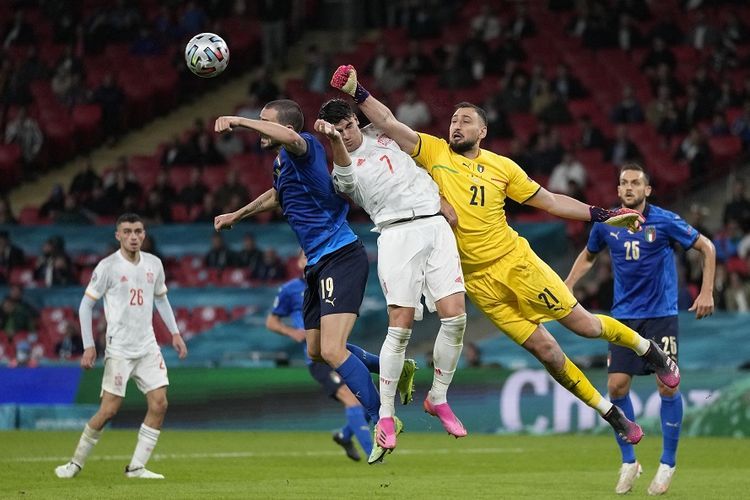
(118, 380)
(331, 301)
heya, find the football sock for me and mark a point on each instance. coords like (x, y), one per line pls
(627, 449)
(392, 356)
(147, 438)
(88, 440)
(446, 353)
(358, 378)
(370, 360)
(617, 333)
(572, 378)
(671, 422)
(355, 416)
(346, 431)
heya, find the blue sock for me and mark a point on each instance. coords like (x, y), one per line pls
(355, 416)
(346, 431)
(356, 376)
(627, 449)
(671, 422)
(371, 361)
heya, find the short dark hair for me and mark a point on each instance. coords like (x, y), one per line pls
(128, 217)
(637, 167)
(289, 113)
(335, 110)
(482, 113)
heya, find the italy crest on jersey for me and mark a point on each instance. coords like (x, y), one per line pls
(649, 233)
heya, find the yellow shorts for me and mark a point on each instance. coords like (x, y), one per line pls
(519, 291)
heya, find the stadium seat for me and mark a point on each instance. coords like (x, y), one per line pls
(87, 119)
(10, 165)
(23, 276)
(725, 149)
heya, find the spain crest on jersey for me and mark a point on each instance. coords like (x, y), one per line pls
(649, 233)
(150, 278)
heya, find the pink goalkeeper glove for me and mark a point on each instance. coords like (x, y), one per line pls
(345, 79)
(622, 217)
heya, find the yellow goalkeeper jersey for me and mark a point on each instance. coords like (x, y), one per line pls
(477, 189)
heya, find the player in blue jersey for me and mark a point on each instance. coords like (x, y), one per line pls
(288, 304)
(645, 299)
(336, 273)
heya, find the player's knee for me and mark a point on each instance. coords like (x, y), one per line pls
(158, 405)
(107, 412)
(333, 355)
(617, 389)
(666, 392)
(314, 353)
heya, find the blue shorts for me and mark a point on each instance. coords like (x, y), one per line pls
(664, 331)
(335, 284)
(327, 377)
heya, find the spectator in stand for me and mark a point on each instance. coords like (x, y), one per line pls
(208, 210)
(696, 108)
(32, 67)
(695, 151)
(6, 212)
(53, 265)
(568, 171)
(738, 207)
(72, 213)
(71, 344)
(727, 241)
(156, 210)
(622, 149)
(193, 19)
(663, 115)
(741, 125)
(591, 136)
(719, 126)
(122, 187)
(727, 96)
(487, 23)
(219, 256)
(703, 35)
(176, 153)
(515, 99)
(250, 256)
(54, 202)
(229, 145)
(413, 111)
(146, 43)
(555, 111)
(273, 16)
(271, 267)
(149, 245)
(498, 125)
(18, 31)
(84, 181)
(11, 256)
(521, 26)
(263, 86)
(317, 70)
(192, 194)
(231, 187)
(663, 75)
(206, 152)
(416, 62)
(24, 131)
(667, 29)
(455, 71)
(163, 186)
(628, 34)
(628, 110)
(659, 54)
(567, 85)
(110, 96)
(250, 109)
(98, 203)
(737, 294)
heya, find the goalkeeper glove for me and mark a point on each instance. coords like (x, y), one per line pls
(622, 217)
(345, 79)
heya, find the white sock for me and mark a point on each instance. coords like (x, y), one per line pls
(88, 440)
(448, 345)
(392, 356)
(147, 438)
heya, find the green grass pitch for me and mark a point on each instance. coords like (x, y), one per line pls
(234, 464)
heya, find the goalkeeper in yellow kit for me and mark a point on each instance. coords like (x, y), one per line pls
(504, 277)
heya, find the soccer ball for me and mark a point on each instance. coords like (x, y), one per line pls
(207, 55)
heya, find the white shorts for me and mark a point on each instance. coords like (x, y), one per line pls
(419, 258)
(149, 373)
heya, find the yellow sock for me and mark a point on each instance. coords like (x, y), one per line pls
(572, 378)
(617, 333)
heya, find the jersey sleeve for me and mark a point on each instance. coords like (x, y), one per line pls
(681, 232)
(282, 305)
(596, 241)
(426, 150)
(99, 282)
(160, 286)
(521, 187)
(309, 156)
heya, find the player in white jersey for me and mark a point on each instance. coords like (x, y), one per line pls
(130, 282)
(417, 255)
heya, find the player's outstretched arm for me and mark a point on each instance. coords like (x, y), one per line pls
(291, 140)
(582, 265)
(274, 323)
(704, 302)
(343, 175)
(566, 207)
(266, 201)
(345, 79)
(85, 311)
(165, 311)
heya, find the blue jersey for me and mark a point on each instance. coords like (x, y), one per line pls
(314, 210)
(288, 304)
(644, 263)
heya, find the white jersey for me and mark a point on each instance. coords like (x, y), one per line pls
(387, 183)
(128, 291)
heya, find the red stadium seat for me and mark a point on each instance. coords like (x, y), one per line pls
(726, 150)
(10, 165)
(87, 119)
